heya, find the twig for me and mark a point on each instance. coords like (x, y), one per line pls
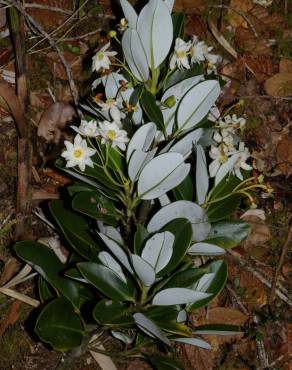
(239, 12)
(280, 264)
(38, 27)
(264, 361)
(260, 277)
(263, 97)
(50, 8)
(237, 300)
(82, 36)
(23, 198)
(221, 39)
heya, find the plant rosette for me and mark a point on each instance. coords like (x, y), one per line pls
(159, 174)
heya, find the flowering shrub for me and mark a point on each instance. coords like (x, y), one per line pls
(148, 200)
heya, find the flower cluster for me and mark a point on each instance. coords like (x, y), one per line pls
(194, 51)
(78, 153)
(228, 146)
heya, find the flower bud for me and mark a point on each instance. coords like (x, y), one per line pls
(169, 102)
(112, 33)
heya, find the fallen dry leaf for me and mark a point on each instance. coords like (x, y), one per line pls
(260, 65)
(246, 40)
(54, 119)
(56, 67)
(279, 85)
(241, 6)
(56, 176)
(49, 19)
(284, 156)
(259, 234)
(190, 6)
(285, 65)
(250, 289)
(11, 318)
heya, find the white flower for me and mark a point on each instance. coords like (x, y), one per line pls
(123, 25)
(101, 58)
(264, 3)
(244, 154)
(232, 122)
(78, 154)
(212, 60)
(199, 50)
(111, 132)
(219, 155)
(214, 114)
(180, 55)
(111, 106)
(87, 128)
(225, 136)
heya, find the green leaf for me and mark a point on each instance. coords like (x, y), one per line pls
(78, 187)
(59, 325)
(186, 278)
(96, 205)
(108, 312)
(152, 110)
(219, 268)
(175, 328)
(108, 282)
(47, 264)
(223, 209)
(45, 290)
(75, 229)
(163, 314)
(162, 174)
(182, 230)
(141, 235)
(218, 329)
(155, 29)
(165, 363)
(183, 74)
(185, 190)
(178, 20)
(228, 234)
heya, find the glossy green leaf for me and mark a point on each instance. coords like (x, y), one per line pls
(158, 250)
(195, 214)
(59, 325)
(142, 139)
(96, 205)
(202, 176)
(219, 268)
(223, 209)
(79, 186)
(228, 234)
(172, 296)
(47, 264)
(155, 29)
(165, 363)
(194, 342)
(150, 328)
(152, 110)
(218, 329)
(45, 290)
(141, 235)
(108, 312)
(162, 313)
(178, 20)
(75, 229)
(182, 230)
(108, 282)
(162, 174)
(186, 278)
(175, 328)
(130, 13)
(185, 190)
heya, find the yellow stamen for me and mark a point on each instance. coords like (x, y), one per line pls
(111, 134)
(100, 56)
(78, 153)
